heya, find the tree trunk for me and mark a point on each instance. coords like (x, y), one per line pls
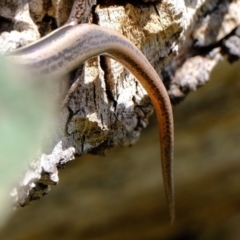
(183, 40)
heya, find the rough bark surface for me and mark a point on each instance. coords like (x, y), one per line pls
(121, 196)
(183, 40)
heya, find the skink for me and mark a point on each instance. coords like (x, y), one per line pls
(68, 47)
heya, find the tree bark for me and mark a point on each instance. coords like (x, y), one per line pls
(183, 40)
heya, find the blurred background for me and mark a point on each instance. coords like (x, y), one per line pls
(121, 196)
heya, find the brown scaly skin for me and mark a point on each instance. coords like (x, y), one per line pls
(68, 47)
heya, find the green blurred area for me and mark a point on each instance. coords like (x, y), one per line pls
(24, 117)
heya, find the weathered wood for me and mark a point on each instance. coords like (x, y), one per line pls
(121, 195)
(183, 40)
